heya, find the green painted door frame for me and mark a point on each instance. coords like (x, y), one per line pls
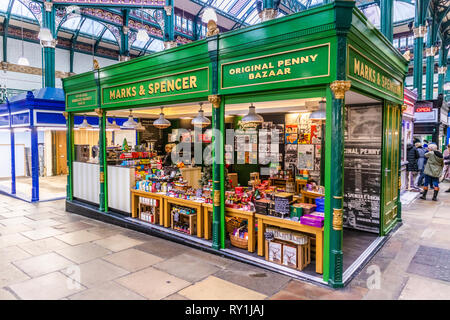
(69, 147)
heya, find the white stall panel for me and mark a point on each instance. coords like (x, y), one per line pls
(5, 167)
(120, 180)
(86, 181)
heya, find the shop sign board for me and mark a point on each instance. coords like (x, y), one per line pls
(363, 70)
(171, 85)
(293, 65)
(424, 112)
(83, 99)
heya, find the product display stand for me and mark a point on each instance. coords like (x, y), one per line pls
(169, 201)
(230, 212)
(135, 194)
(264, 220)
(309, 197)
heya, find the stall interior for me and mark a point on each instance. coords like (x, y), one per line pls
(160, 173)
(52, 162)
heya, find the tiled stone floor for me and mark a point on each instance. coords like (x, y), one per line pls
(47, 253)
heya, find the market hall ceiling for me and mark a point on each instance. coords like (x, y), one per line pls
(100, 27)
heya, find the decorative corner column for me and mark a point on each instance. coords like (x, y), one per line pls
(169, 25)
(419, 33)
(103, 196)
(69, 155)
(34, 157)
(48, 68)
(218, 224)
(335, 125)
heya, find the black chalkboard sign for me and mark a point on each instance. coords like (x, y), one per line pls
(151, 134)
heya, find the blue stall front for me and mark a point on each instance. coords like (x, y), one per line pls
(32, 129)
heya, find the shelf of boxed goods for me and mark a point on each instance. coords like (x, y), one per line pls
(136, 194)
(266, 220)
(231, 212)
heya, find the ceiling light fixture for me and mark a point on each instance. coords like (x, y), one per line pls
(252, 119)
(84, 124)
(200, 120)
(161, 122)
(112, 126)
(22, 60)
(321, 113)
(130, 123)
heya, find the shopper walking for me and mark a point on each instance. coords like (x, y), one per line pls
(420, 163)
(433, 170)
(446, 173)
(411, 167)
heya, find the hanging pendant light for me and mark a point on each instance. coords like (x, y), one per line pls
(142, 35)
(161, 122)
(112, 126)
(84, 125)
(130, 123)
(140, 127)
(22, 60)
(321, 113)
(252, 119)
(200, 120)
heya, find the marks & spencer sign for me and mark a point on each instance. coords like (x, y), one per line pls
(367, 72)
(298, 64)
(187, 82)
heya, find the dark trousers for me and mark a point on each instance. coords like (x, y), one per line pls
(420, 178)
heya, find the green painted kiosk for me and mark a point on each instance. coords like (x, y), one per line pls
(286, 69)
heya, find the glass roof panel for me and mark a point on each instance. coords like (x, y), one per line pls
(139, 44)
(109, 36)
(72, 23)
(18, 9)
(243, 11)
(156, 45)
(4, 5)
(91, 27)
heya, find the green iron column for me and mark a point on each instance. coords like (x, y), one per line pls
(269, 11)
(442, 69)
(387, 16)
(430, 52)
(169, 25)
(334, 151)
(218, 225)
(124, 49)
(419, 33)
(49, 46)
(69, 156)
(103, 196)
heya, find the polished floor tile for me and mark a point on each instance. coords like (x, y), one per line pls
(39, 247)
(43, 264)
(107, 291)
(83, 252)
(78, 237)
(118, 242)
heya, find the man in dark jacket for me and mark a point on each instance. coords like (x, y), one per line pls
(421, 162)
(412, 156)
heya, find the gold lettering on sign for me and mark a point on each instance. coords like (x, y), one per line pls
(268, 70)
(368, 73)
(81, 99)
(163, 86)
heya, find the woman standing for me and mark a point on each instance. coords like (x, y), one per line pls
(433, 170)
(412, 168)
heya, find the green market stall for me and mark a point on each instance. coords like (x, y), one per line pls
(330, 53)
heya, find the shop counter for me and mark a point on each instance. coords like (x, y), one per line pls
(86, 181)
(135, 194)
(264, 220)
(230, 212)
(120, 180)
(197, 205)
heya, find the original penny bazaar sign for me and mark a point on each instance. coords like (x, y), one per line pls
(82, 99)
(365, 71)
(298, 64)
(177, 84)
